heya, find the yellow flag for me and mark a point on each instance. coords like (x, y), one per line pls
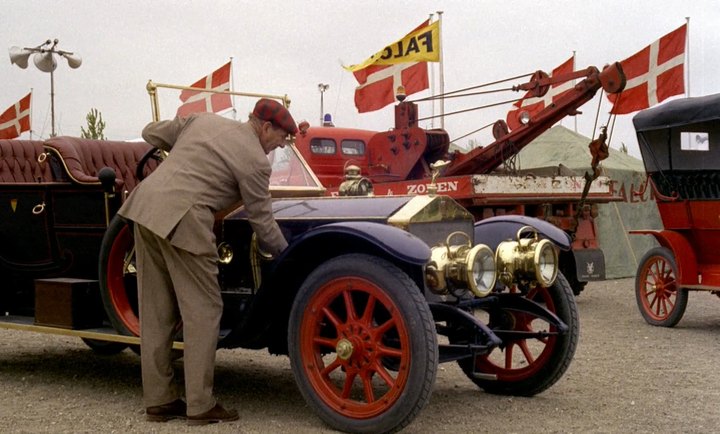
(420, 45)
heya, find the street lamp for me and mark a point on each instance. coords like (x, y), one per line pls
(322, 88)
(45, 62)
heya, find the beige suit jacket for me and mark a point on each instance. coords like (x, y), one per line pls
(215, 162)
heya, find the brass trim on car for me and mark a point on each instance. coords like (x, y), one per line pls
(102, 334)
(426, 209)
(152, 87)
(225, 253)
(67, 170)
(257, 257)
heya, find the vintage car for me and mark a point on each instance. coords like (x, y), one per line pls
(370, 296)
(680, 145)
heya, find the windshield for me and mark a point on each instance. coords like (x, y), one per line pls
(291, 172)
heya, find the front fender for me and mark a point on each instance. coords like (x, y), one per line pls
(266, 320)
(396, 242)
(494, 230)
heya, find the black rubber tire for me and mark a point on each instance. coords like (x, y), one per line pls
(555, 363)
(410, 310)
(576, 285)
(106, 348)
(106, 269)
(655, 256)
(127, 323)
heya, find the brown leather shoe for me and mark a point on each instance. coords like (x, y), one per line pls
(163, 413)
(216, 414)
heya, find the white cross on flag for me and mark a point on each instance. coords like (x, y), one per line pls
(378, 84)
(653, 74)
(532, 105)
(16, 119)
(195, 102)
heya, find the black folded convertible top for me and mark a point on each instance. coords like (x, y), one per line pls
(679, 112)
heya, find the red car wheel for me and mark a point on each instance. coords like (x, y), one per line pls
(660, 300)
(527, 366)
(118, 279)
(362, 344)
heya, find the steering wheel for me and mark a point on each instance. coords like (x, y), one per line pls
(152, 154)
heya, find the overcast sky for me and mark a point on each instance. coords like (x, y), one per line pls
(290, 47)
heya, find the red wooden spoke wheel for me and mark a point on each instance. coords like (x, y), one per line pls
(362, 344)
(528, 365)
(118, 279)
(660, 300)
(343, 335)
(522, 359)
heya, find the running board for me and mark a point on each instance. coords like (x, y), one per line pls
(26, 323)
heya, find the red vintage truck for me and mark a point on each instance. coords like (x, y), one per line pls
(398, 162)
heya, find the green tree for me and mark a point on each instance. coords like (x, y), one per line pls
(96, 126)
(623, 148)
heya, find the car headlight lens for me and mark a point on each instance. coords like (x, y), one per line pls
(461, 267)
(546, 263)
(480, 270)
(527, 260)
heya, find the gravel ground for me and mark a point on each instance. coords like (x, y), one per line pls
(626, 377)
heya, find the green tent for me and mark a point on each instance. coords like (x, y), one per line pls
(562, 151)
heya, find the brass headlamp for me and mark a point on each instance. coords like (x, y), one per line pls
(461, 265)
(527, 260)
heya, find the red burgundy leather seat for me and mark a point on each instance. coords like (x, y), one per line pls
(23, 161)
(83, 159)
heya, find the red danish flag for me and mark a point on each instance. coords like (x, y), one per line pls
(16, 119)
(378, 84)
(653, 74)
(195, 101)
(532, 105)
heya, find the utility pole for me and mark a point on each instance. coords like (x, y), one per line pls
(322, 88)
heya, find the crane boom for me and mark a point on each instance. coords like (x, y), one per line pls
(507, 144)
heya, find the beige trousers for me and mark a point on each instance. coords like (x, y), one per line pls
(175, 284)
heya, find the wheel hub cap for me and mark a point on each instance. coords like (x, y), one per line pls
(344, 349)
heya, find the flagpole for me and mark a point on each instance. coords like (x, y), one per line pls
(432, 86)
(52, 103)
(442, 79)
(687, 50)
(31, 104)
(232, 89)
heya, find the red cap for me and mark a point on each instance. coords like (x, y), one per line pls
(270, 110)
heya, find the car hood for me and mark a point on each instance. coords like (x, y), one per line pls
(331, 208)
